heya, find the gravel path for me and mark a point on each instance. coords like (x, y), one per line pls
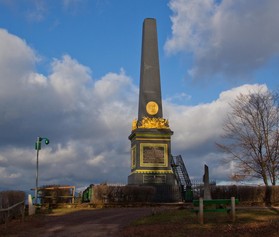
(82, 223)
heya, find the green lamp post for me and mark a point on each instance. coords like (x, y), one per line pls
(38, 147)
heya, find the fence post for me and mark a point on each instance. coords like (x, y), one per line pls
(31, 207)
(6, 211)
(7, 218)
(23, 211)
(233, 208)
(201, 210)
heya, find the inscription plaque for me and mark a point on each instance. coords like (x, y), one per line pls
(154, 155)
(157, 179)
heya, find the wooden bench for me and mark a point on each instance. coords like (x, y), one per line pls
(215, 205)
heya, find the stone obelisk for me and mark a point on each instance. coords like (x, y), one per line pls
(150, 84)
(207, 193)
(151, 134)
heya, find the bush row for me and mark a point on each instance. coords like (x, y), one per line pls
(111, 194)
(246, 194)
(252, 194)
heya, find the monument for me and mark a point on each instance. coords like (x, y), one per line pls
(151, 135)
(207, 192)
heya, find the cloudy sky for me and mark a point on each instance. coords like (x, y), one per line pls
(69, 71)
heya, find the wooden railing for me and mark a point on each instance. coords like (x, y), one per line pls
(215, 205)
(7, 211)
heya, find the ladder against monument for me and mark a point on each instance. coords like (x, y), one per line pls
(182, 177)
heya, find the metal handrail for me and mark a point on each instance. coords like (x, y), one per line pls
(10, 208)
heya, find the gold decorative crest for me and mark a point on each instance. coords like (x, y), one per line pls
(159, 123)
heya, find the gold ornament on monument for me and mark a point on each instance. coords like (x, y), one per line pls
(152, 108)
(159, 123)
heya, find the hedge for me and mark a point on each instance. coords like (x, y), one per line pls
(112, 194)
(252, 194)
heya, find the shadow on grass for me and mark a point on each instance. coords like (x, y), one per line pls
(180, 223)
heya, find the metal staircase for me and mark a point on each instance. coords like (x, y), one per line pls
(182, 177)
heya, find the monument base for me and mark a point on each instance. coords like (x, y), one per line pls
(165, 185)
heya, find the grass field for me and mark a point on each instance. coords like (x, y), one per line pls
(178, 223)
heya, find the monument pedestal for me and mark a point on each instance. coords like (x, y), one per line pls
(150, 163)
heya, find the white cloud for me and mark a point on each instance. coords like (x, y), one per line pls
(203, 122)
(180, 97)
(15, 65)
(37, 79)
(37, 11)
(74, 6)
(87, 121)
(7, 175)
(231, 37)
(190, 26)
(70, 80)
(198, 128)
(95, 161)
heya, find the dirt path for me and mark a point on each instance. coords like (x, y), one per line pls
(83, 223)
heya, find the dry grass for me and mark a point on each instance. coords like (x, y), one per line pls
(178, 223)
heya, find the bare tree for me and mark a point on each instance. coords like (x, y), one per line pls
(252, 136)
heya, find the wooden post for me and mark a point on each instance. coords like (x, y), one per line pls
(201, 210)
(7, 218)
(22, 212)
(233, 208)
(73, 198)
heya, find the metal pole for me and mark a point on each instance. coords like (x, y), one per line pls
(233, 208)
(201, 210)
(37, 171)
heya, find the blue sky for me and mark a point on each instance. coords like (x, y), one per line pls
(69, 70)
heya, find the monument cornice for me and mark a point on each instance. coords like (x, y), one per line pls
(151, 134)
(152, 171)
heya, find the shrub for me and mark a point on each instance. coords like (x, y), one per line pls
(104, 193)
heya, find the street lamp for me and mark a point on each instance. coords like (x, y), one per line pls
(38, 147)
